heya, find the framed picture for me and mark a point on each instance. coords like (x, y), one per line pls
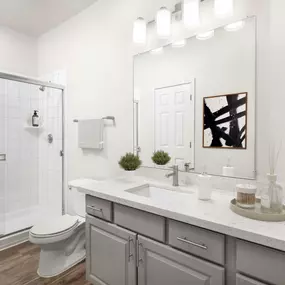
(225, 121)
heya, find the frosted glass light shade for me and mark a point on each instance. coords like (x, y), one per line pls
(224, 8)
(235, 26)
(178, 37)
(163, 23)
(139, 31)
(206, 35)
(191, 13)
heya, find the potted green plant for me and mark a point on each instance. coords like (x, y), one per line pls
(130, 163)
(160, 157)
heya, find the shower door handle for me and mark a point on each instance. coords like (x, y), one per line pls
(2, 157)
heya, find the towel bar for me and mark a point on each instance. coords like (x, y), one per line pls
(104, 118)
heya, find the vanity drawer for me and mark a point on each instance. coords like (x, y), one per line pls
(99, 208)
(204, 243)
(261, 262)
(141, 222)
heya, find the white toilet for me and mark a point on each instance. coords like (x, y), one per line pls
(62, 240)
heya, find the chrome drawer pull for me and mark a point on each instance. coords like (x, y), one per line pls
(93, 208)
(193, 243)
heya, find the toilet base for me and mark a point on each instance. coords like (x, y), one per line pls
(48, 272)
(58, 257)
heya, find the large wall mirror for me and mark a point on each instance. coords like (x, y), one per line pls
(197, 103)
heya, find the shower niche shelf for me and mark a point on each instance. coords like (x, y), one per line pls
(32, 128)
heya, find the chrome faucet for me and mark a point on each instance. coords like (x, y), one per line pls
(174, 174)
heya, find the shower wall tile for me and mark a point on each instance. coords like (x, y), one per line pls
(22, 148)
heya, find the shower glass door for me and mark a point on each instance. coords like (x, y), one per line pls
(30, 161)
(2, 155)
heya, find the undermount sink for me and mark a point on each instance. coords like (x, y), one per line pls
(159, 193)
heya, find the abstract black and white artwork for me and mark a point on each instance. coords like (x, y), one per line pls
(225, 121)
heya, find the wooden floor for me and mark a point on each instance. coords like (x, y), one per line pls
(19, 264)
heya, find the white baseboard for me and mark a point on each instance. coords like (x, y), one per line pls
(14, 239)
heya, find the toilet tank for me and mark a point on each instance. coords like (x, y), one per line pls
(78, 202)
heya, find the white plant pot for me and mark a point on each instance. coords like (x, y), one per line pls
(130, 175)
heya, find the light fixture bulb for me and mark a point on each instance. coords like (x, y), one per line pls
(178, 36)
(224, 8)
(206, 35)
(157, 51)
(235, 26)
(191, 13)
(179, 44)
(139, 31)
(163, 23)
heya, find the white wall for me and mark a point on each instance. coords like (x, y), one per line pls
(224, 64)
(18, 53)
(276, 90)
(96, 49)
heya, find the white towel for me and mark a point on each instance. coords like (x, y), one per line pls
(90, 134)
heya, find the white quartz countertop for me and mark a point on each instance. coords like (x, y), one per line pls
(214, 215)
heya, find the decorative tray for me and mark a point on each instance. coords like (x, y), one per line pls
(256, 213)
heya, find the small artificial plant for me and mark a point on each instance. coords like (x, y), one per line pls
(130, 162)
(160, 157)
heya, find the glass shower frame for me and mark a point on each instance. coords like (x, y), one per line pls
(40, 83)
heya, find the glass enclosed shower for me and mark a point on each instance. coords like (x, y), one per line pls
(31, 162)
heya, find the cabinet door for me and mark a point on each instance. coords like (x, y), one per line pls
(111, 256)
(242, 280)
(160, 264)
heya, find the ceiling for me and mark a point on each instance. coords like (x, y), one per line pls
(36, 17)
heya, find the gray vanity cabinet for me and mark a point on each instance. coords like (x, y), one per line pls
(161, 264)
(111, 254)
(242, 280)
(127, 246)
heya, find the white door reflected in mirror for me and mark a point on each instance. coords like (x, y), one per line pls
(174, 123)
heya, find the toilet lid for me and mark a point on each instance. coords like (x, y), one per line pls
(55, 225)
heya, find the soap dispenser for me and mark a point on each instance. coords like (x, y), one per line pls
(204, 186)
(35, 119)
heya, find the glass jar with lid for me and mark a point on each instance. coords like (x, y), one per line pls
(246, 195)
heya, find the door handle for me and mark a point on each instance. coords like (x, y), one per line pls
(139, 259)
(2, 156)
(130, 255)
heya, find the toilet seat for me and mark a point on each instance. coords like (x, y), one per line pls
(55, 226)
(54, 230)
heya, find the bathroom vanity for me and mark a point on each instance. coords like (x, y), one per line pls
(138, 235)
